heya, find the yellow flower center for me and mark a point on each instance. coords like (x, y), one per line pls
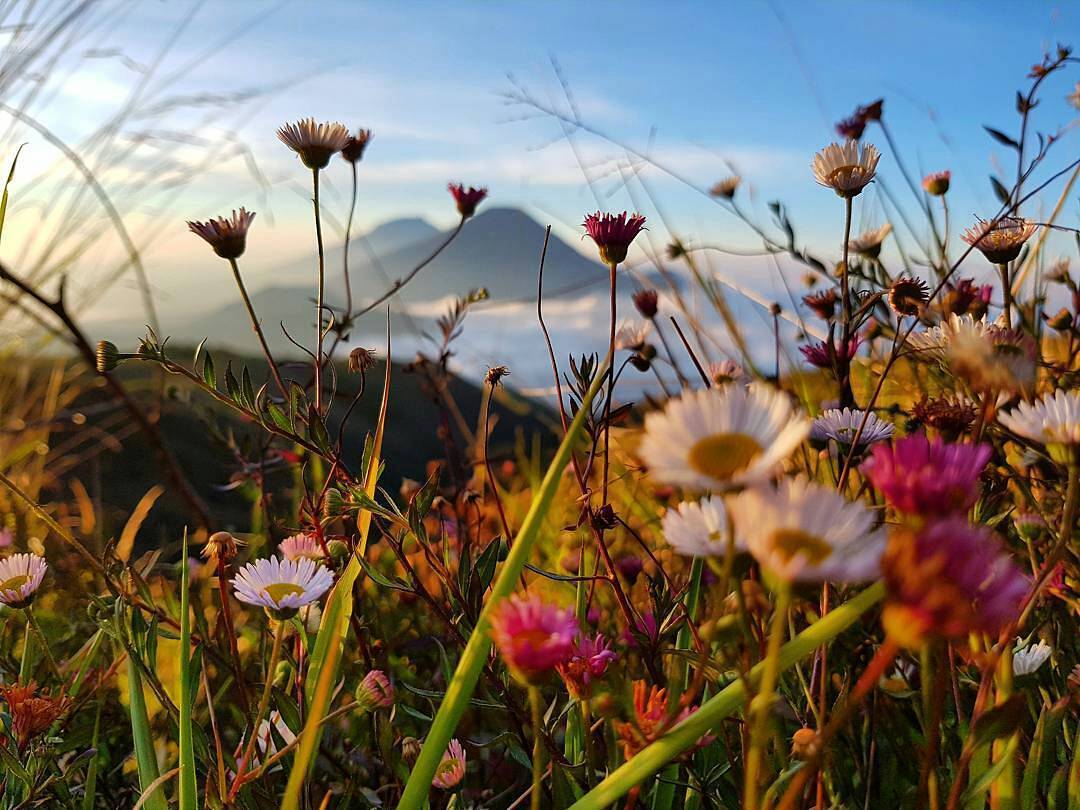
(279, 590)
(789, 542)
(724, 454)
(14, 583)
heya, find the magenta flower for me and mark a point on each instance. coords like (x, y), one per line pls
(851, 128)
(613, 233)
(532, 636)
(451, 769)
(927, 478)
(820, 355)
(588, 661)
(466, 198)
(948, 580)
(645, 626)
(375, 691)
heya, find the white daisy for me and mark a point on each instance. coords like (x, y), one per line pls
(282, 586)
(802, 532)
(20, 577)
(1028, 659)
(1000, 240)
(301, 546)
(1053, 421)
(719, 436)
(868, 243)
(841, 427)
(934, 342)
(845, 169)
(314, 142)
(632, 336)
(699, 528)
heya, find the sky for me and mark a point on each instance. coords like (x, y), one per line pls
(701, 88)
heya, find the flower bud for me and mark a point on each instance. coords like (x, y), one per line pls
(375, 692)
(107, 356)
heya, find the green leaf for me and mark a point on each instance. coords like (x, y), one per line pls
(1001, 720)
(231, 384)
(1040, 762)
(7, 187)
(188, 789)
(145, 757)
(208, 374)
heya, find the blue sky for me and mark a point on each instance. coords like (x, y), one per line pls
(697, 84)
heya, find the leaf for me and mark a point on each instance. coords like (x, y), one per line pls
(231, 385)
(135, 522)
(7, 186)
(1001, 720)
(1001, 137)
(145, 757)
(188, 790)
(1000, 191)
(208, 375)
(247, 390)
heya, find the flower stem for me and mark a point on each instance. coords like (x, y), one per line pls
(33, 626)
(258, 329)
(761, 706)
(320, 285)
(586, 728)
(264, 702)
(611, 385)
(1006, 294)
(535, 702)
(843, 361)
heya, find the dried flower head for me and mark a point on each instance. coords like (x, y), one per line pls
(466, 199)
(315, 143)
(869, 243)
(589, 660)
(950, 418)
(823, 303)
(846, 169)
(32, 712)
(726, 187)
(908, 296)
(375, 692)
(495, 375)
(1000, 240)
(613, 233)
(228, 237)
(221, 546)
(20, 577)
(451, 768)
(851, 129)
(936, 184)
(361, 360)
(356, 145)
(646, 302)
(533, 636)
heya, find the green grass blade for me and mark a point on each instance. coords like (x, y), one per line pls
(144, 740)
(476, 650)
(7, 186)
(188, 791)
(724, 704)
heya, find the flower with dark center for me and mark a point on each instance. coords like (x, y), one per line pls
(823, 303)
(353, 150)
(846, 169)
(495, 374)
(228, 237)
(1000, 240)
(726, 188)
(908, 296)
(613, 234)
(950, 418)
(314, 143)
(466, 198)
(936, 184)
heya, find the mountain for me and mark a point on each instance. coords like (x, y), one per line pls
(394, 235)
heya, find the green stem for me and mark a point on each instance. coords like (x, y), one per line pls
(536, 704)
(320, 285)
(761, 705)
(725, 703)
(586, 730)
(258, 329)
(264, 702)
(33, 626)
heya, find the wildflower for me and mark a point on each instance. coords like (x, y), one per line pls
(532, 636)
(871, 111)
(282, 586)
(1074, 97)
(934, 342)
(803, 532)
(613, 233)
(724, 372)
(20, 577)
(846, 169)
(221, 546)
(646, 302)
(1028, 659)
(823, 303)
(927, 478)
(303, 546)
(451, 768)
(356, 145)
(466, 198)
(645, 627)
(908, 296)
(1059, 272)
(228, 237)
(7, 537)
(632, 336)
(361, 360)
(967, 298)
(721, 436)
(315, 143)
(999, 360)
(936, 184)
(1053, 421)
(948, 580)
(822, 355)
(630, 566)
(32, 713)
(1000, 240)
(699, 528)
(375, 692)
(726, 188)
(950, 418)
(805, 744)
(651, 719)
(851, 129)
(495, 374)
(589, 660)
(1028, 525)
(410, 750)
(106, 357)
(841, 427)
(869, 243)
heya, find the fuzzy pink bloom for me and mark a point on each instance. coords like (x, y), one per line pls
(375, 691)
(851, 128)
(937, 183)
(301, 546)
(466, 198)
(228, 237)
(927, 478)
(533, 637)
(613, 233)
(451, 769)
(948, 580)
(588, 661)
(819, 355)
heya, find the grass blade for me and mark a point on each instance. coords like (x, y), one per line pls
(188, 793)
(144, 740)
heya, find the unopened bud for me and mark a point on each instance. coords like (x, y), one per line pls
(375, 692)
(107, 356)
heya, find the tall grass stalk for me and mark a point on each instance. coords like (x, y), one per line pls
(188, 795)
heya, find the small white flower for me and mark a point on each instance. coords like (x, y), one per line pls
(20, 577)
(934, 342)
(869, 243)
(804, 532)
(282, 586)
(632, 336)
(719, 436)
(1053, 420)
(845, 169)
(699, 528)
(999, 240)
(841, 427)
(1028, 659)
(301, 546)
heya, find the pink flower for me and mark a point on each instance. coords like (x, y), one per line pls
(375, 691)
(466, 198)
(645, 626)
(588, 661)
(301, 546)
(937, 183)
(949, 580)
(533, 637)
(451, 769)
(819, 354)
(927, 478)
(613, 233)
